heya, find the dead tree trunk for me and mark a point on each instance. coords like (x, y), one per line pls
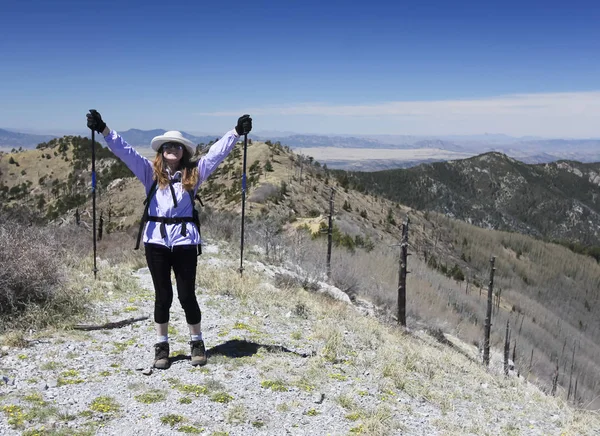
(506, 347)
(403, 273)
(488, 318)
(330, 233)
(571, 376)
(531, 361)
(498, 293)
(100, 226)
(555, 380)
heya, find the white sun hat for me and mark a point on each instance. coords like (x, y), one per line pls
(173, 136)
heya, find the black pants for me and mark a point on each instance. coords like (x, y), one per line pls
(183, 260)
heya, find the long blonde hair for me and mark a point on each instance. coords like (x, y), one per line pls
(188, 169)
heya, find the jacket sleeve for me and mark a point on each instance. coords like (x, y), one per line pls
(217, 153)
(138, 164)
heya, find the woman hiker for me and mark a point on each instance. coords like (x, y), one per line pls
(170, 237)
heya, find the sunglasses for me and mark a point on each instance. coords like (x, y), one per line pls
(172, 146)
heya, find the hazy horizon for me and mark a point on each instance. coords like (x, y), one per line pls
(275, 133)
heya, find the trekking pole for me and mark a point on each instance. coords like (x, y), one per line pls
(94, 198)
(243, 204)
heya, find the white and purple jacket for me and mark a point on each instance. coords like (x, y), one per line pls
(161, 203)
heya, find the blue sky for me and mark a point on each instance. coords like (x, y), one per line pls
(445, 67)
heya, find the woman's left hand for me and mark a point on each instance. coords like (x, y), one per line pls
(244, 125)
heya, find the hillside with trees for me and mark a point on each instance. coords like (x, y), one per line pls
(557, 201)
(548, 293)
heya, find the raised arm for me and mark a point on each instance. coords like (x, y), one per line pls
(216, 154)
(220, 149)
(139, 165)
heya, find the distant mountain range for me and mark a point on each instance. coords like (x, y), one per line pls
(559, 200)
(135, 137)
(9, 138)
(142, 138)
(526, 149)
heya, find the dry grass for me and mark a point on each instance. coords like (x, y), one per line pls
(399, 365)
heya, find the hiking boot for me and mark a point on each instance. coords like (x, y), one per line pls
(161, 355)
(198, 353)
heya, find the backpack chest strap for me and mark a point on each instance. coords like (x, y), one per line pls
(171, 220)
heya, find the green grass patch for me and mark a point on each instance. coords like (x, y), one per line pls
(171, 419)
(104, 404)
(35, 398)
(339, 377)
(221, 397)
(274, 385)
(354, 416)
(179, 353)
(120, 347)
(195, 390)
(15, 415)
(151, 397)
(305, 385)
(358, 430)
(190, 429)
(248, 328)
(69, 377)
(50, 366)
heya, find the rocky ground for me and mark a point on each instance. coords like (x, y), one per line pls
(282, 360)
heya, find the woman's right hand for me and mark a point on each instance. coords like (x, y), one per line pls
(94, 121)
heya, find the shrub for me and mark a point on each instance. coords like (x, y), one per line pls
(264, 193)
(32, 274)
(222, 225)
(457, 274)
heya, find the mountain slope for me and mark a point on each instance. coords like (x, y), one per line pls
(541, 286)
(282, 360)
(559, 200)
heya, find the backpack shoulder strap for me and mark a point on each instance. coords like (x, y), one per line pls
(196, 216)
(145, 215)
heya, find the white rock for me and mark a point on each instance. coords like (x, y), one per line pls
(333, 292)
